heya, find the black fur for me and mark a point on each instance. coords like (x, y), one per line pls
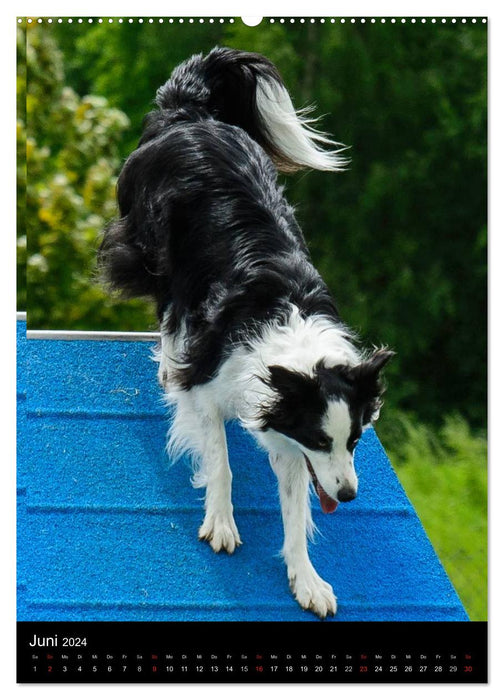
(205, 230)
(223, 85)
(302, 399)
(204, 227)
(299, 408)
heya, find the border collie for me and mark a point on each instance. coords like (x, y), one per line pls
(249, 330)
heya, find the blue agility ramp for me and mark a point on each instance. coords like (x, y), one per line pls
(108, 527)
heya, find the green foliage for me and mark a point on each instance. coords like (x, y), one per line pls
(69, 191)
(128, 62)
(445, 477)
(400, 237)
(21, 172)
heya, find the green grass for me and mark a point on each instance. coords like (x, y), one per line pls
(445, 477)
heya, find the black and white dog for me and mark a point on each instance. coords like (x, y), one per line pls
(249, 330)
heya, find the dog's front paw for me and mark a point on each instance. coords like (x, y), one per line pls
(312, 592)
(220, 532)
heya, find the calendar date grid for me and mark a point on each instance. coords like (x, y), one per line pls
(175, 663)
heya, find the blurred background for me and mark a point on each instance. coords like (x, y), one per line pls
(400, 237)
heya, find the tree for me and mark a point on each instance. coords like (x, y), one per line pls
(71, 168)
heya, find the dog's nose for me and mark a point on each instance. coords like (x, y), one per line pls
(346, 493)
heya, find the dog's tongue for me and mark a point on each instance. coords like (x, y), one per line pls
(327, 503)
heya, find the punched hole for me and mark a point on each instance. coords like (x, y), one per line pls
(251, 21)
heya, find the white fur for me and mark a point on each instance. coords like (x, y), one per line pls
(293, 132)
(335, 470)
(238, 392)
(311, 592)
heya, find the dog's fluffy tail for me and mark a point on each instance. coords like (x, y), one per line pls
(246, 90)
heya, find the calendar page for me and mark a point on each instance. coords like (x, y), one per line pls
(251, 341)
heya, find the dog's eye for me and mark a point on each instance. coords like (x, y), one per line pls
(324, 443)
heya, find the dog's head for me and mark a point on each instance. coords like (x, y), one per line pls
(323, 414)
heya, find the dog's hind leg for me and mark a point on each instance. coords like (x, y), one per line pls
(311, 591)
(166, 352)
(198, 427)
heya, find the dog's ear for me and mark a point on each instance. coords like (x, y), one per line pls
(296, 396)
(374, 365)
(287, 382)
(368, 385)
